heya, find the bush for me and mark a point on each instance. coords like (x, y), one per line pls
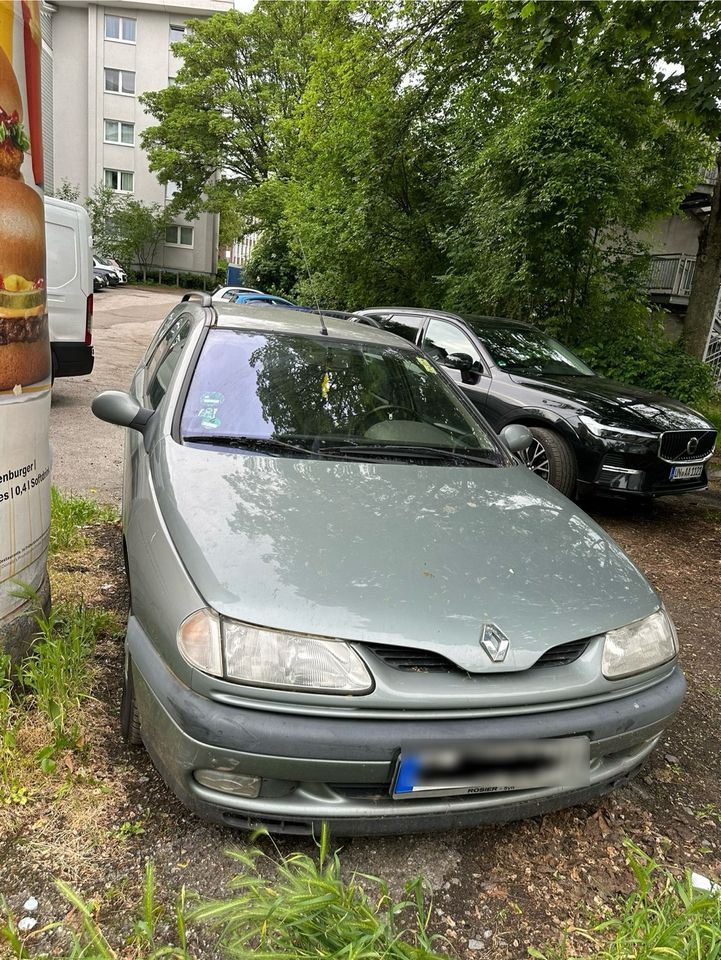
(650, 360)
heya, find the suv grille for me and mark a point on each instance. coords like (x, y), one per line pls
(675, 445)
(426, 661)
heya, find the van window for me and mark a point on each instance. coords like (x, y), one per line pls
(62, 256)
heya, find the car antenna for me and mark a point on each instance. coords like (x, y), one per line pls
(323, 328)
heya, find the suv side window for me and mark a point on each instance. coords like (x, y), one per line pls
(442, 339)
(165, 359)
(404, 325)
(155, 347)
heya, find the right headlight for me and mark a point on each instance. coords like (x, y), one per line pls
(271, 658)
(639, 646)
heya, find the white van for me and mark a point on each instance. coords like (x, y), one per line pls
(69, 286)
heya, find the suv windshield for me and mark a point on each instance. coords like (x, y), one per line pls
(527, 351)
(291, 395)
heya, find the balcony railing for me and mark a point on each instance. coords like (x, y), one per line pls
(671, 275)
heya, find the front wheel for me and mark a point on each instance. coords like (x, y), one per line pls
(551, 457)
(129, 716)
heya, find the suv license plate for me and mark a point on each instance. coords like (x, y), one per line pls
(492, 767)
(686, 473)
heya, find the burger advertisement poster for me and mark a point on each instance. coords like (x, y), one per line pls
(24, 346)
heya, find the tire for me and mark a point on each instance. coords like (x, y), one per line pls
(552, 459)
(129, 716)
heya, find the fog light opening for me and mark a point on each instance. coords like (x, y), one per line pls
(237, 784)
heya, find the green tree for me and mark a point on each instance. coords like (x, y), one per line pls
(136, 231)
(101, 206)
(67, 191)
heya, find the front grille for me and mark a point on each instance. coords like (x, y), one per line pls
(413, 661)
(426, 661)
(563, 654)
(675, 445)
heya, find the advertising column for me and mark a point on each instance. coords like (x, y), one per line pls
(24, 347)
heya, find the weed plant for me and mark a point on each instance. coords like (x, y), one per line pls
(301, 907)
(665, 918)
(69, 514)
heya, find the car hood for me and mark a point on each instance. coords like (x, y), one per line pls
(395, 553)
(618, 404)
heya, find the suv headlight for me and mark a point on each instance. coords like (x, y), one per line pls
(609, 432)
(270, 658)
(640, 646)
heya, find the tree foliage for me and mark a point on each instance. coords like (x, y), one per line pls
(498, 157)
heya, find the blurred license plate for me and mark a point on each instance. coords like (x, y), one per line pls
(685, 473)
(492, 767)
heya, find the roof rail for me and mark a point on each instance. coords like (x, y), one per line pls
(205, 298)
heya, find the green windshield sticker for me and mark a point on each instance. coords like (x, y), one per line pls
(428, 367)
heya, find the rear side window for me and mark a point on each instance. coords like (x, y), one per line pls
(165, 359)
(402, 324)
(62, 255)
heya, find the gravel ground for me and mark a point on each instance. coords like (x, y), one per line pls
(497, 890)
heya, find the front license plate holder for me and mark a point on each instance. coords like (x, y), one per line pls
(686, 471)
(490, 767)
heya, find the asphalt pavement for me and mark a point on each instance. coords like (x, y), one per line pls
(87, 453)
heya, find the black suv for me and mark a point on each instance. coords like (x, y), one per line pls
(589, 433)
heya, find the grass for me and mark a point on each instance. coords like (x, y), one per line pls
(300, 907)
(711, 409)
(46, 689)
(665, 918)
(68, 516)
(289, 908)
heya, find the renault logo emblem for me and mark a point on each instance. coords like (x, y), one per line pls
(692, 446)
(494, 642)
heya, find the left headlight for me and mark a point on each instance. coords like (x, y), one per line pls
(269, 658)
(609, 432)
(640, 646)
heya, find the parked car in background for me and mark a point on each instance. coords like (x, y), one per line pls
(113, 263)
(70, 288)
(590, 434)
(229, 294)
(108, 272)
(350, 603)
(263, 299)
(100, 281)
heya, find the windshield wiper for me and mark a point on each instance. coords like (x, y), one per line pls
(412, 451)
(261, 444)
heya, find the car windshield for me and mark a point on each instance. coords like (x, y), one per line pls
(294, 395)
(527, 351)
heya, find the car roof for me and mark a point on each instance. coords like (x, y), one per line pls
(451, 315)
(272, 319)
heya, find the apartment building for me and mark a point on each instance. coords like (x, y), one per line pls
(103, 57)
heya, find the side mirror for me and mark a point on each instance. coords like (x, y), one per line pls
(516, 437)
(458, 361)
(120, 408)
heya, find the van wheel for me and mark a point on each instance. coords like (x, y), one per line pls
(129, 716)
(552, 458)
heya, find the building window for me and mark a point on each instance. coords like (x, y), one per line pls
(171, 188)
(118, 131)
(177, 236)
(121, 181)
(119, 81)
(119, 28)
(177, 33)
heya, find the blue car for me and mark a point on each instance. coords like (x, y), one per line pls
(262, 299)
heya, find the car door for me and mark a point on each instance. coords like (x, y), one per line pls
(443, 339)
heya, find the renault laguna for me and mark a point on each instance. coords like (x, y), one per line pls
(352, 603)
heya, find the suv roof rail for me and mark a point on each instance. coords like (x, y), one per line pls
(205, 298)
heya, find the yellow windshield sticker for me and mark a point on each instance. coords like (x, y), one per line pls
(428, 367)
(325, 385)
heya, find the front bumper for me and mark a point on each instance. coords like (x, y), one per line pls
(317, 769)
(615, 469)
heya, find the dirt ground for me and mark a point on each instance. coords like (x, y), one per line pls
(496, 890)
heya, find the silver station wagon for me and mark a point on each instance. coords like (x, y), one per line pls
(351, 603)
